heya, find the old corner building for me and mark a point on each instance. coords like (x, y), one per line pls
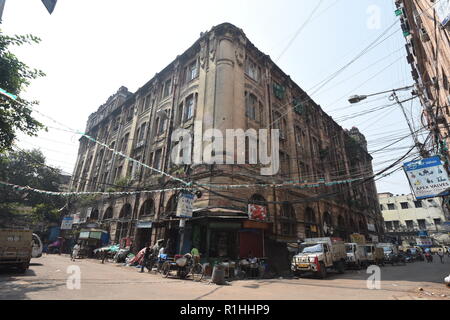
(223, 81)
(426, 27)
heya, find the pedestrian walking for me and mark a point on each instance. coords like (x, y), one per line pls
(75, 251)
(104, 255)
(441, 255)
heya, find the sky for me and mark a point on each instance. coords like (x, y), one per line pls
(90, 48)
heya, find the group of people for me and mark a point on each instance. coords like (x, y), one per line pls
(429, 256)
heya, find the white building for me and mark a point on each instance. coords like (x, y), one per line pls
(405, 216)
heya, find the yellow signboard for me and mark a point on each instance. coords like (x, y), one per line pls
(358, 238)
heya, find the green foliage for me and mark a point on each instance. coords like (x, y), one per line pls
(44, 212)
(28, 168)
(14, 77)
(87, 200)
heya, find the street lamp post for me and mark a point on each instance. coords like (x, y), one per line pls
(358, 98)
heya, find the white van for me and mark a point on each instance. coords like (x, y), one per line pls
(356, 255)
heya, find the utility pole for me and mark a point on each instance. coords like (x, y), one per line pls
(418, 144)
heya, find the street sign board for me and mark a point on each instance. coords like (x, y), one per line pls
(66, 224)
(443, 11)
(185, 205)
(357, 238)
(76, 218)
(424, 242)
(428, 178)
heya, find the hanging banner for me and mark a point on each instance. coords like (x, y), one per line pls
(428, 178)
(257, 213)
(185, 205)
(66, 224)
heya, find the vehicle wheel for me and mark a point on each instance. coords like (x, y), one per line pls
(340, 267)
(323, 271)
(165, 269)
(182, 274)
(197, 272)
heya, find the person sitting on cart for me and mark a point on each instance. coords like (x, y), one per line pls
(195, 255)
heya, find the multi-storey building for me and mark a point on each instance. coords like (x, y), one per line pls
(426, 26)
(405, 216)
(224, 82)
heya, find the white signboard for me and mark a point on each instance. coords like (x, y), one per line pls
(424, 242)
(185, 205)
(66, 224)
(76, 218)
(428, 178)
(443, 11)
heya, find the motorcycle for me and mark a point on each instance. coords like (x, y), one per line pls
(429, 257)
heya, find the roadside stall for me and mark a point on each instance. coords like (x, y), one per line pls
(92, 239)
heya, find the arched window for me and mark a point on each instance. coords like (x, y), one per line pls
(147, 208)
(288, 220)
(126, 211)
(327, 224)
(108, 214)
(94, 214)
(171, 207)
(311, 228)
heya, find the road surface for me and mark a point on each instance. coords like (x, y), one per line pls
(48, 276)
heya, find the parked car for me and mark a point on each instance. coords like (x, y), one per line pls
(356, 255)
(318, 255)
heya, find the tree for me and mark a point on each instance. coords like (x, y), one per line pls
(28, 168)
(15, 115)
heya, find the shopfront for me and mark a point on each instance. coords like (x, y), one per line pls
(252, 239)
(143, 234)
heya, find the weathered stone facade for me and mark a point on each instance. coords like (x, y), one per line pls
(223, 81)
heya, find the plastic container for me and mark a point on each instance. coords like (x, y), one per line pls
(218, 275)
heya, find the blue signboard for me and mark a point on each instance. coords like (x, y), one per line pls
(428, 178)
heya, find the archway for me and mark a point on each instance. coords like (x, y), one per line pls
(147, 208)
(126, 211)
(94, 215)
(108, 214)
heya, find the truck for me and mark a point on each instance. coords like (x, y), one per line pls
(319, 255)
(356, 255)
(375, 255)
(16, 248)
